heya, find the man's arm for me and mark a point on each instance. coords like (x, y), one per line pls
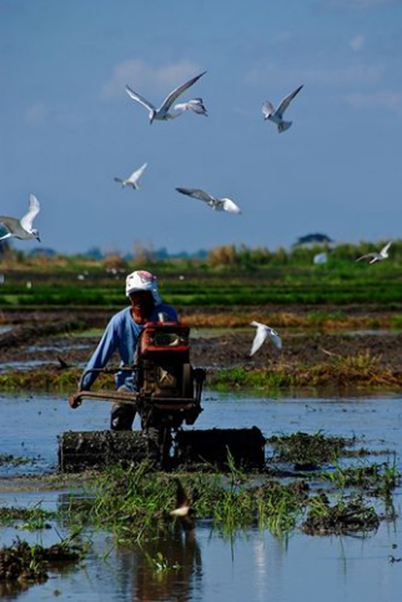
(99, 359)
(102, 354)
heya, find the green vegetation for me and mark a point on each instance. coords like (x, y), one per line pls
(10, 460)
(304, 449)
(229, 276)
(29, 563)
(362, 370)
(343, 517)
(137, 502)
(30, 519)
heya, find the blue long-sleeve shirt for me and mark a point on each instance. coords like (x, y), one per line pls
(121, 334)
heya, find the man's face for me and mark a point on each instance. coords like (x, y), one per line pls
(142, 303)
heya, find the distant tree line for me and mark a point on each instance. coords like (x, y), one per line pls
(225, 256)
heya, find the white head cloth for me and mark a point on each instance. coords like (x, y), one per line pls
(142, 280)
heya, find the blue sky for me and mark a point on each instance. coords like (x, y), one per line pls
(67, 126)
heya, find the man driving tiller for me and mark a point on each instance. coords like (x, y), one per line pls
(122, 334)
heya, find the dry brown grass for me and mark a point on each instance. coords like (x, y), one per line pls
(242, 318)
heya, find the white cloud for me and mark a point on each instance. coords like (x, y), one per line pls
(357, 43)
(376, 100)
(39, 114)
(144, 77)
(36, 114)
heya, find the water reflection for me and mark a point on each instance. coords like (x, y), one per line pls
(167, 569)
(202, 564)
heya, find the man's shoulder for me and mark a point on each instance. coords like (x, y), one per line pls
(120, 316)
(165, 309)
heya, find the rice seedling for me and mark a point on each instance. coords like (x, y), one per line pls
(280, 506)
(10, 460)
(24, 562)
(303, 449)
(374, 479)
(137, 504)
(342, 518)
(30, 519)
(160, 563)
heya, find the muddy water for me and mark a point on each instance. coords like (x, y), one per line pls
(253, 565)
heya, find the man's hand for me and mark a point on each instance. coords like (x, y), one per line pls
(74, 400)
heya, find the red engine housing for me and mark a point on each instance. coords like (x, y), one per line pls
(163, 360)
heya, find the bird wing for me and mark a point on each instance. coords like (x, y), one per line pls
(4, 231)
(275, 338)
(267, 109)
(9, 226)
(28, 219)
(169, 100)
(196, 193)
(366, 256)
(286, 101)
(135, 96)
(182, 503)
(229, 205)
(259, 338)
(384, 250)
(138, 173)
(197, 105)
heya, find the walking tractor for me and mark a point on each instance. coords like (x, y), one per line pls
(168, 395)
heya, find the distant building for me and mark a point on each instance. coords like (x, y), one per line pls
(313, 239)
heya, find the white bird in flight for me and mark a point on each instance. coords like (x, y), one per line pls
(276, 115)
(383, 254)
(166, 111)
(263, 332)
(223, 204)
(133, 180)
(23, 228)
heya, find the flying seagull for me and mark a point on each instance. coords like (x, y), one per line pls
(22, 229)
(263, 332)
(132, 180)
(383, 254)
(217, 204)
(276, 115)
(164, 112)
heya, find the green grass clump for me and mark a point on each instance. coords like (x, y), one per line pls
(135, 503)
(304, 449)
(30, 519)
(343, 517)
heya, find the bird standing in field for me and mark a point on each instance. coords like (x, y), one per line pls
(383, 254)
(133, 180)
(22, 229)
(264, 332)
(276, 115)
(223, 204)
(166, 110)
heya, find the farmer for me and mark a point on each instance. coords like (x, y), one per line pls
(122, 334)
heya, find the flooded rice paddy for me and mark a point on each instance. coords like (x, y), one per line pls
(204, 564)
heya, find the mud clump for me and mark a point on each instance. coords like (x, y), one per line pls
(307, 452)
(341, 519)
(96, 449)
(23, 562)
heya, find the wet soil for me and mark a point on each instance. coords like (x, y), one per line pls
(24, 562)
(56, 338)
(341, 518)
